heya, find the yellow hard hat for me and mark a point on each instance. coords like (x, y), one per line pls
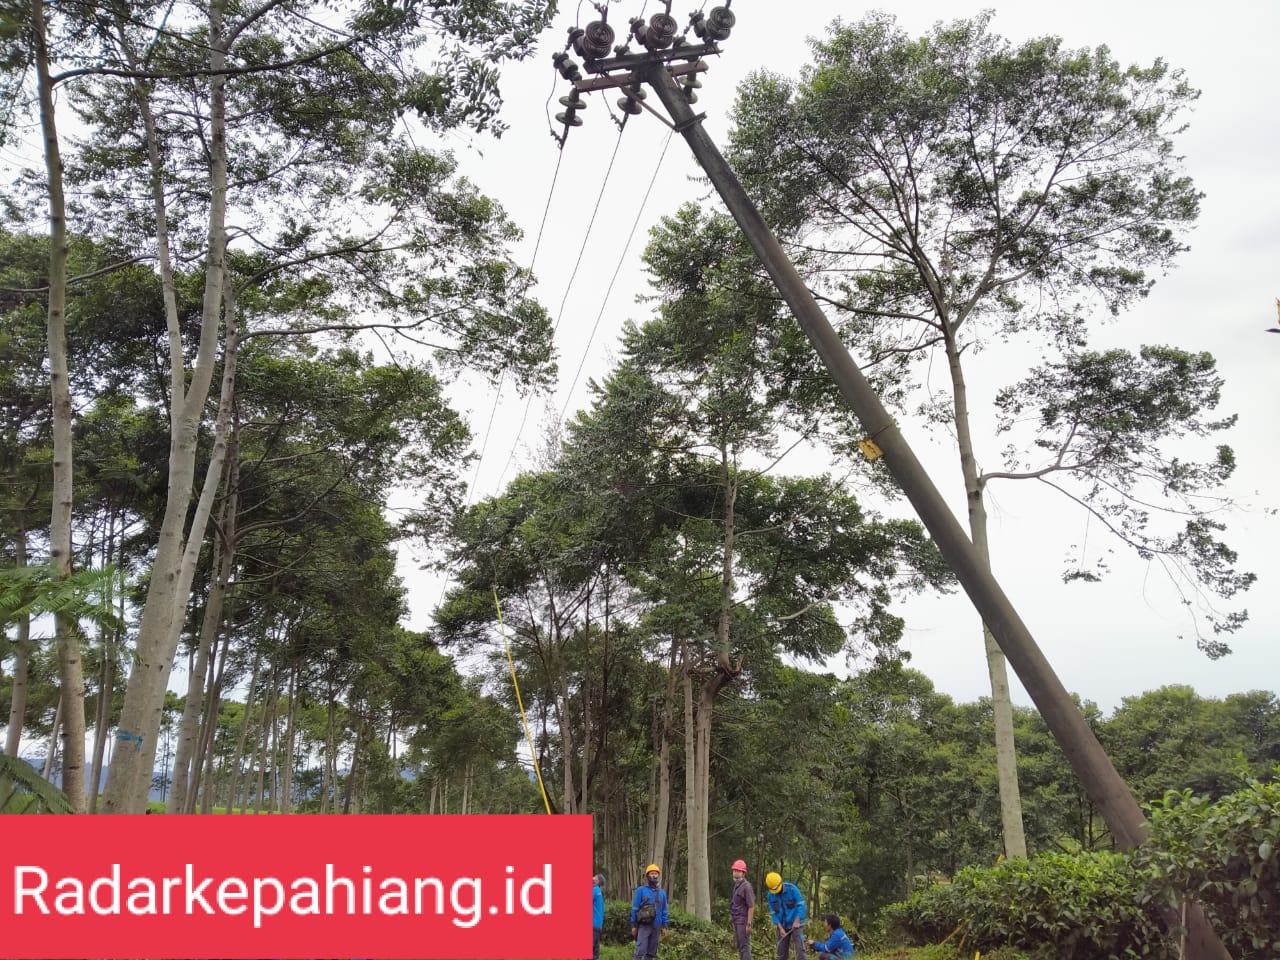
(651, 868)
(773, 881)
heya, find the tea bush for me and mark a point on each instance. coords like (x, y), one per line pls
(1083, 907)
(1227, 856)
(1224, 854)
(617, 923)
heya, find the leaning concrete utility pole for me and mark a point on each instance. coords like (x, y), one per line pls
(882, 438)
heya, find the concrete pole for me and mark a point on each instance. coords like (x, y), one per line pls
(1108, 791)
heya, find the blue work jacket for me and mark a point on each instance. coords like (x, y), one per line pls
(787, 905)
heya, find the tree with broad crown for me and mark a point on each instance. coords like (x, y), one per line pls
(291, 109)
(953, 190)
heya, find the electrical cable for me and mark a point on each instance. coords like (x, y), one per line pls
(568, 289)
(618, 269)
(497, 397)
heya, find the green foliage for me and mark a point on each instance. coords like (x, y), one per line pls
(1084, 907)
(1109, 416)
(23, 790)
(954, 191)
(689, 938)
(1226, 854)
(86, 594)
(1220, 853)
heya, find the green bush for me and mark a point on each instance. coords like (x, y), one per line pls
(1083, 907)
(617, 922)
(1225, 854)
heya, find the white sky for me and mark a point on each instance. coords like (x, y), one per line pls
(1105, 640)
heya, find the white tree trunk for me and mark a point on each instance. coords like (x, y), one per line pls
(54, 732)
(21, 666)
(286, 789)
(189, 725)
(1015, 843)
(129, 776)
(666, 726)
(71, 666)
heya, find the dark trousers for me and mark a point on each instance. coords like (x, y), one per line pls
(742, 940)
(648, 936)
(595, 944)
(793, 936)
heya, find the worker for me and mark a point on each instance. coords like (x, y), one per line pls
(649, 914)
(837, 946)
(742, 909)
(597, 914)
(786, 904)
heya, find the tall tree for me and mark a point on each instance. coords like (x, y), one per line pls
(269, 107)
(954, 190)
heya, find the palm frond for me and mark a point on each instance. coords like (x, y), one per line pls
(23, 790)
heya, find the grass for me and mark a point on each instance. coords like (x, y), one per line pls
(157, 806)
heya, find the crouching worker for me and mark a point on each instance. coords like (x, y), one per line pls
(837, 946)
(649, 914)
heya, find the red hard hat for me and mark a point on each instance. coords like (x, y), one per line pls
(740, 865)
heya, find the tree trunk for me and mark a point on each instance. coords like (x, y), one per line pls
(1015, 843)
(665, 730)
(233, 785)
(348, 792)
(698, 734)
(204, 758)
(102, 718)
(273, 750)
(286, 790)
(699, 899)
(330, 782)
(52, 752)
(21, 664)
(129, 774)
(264, 738)
(70, 664)
(189, 726)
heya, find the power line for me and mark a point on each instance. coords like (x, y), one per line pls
(497, 397)
(568, 288)
(618, 269)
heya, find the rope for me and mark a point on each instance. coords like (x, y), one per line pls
(520, 702)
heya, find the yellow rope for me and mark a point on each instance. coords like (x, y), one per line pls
(528, 736)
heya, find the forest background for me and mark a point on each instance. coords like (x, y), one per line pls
(369, 354)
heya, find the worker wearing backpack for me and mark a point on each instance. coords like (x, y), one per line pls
(649, 914)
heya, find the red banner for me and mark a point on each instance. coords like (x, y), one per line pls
(232, 887)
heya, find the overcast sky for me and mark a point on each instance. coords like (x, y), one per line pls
(1105, 640)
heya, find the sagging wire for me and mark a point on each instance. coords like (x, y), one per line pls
(568, 288)
(634, 226)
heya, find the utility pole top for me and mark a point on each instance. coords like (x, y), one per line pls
(611, 66)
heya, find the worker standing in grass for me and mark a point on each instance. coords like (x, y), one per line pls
(742, 910)
(786, 904)
(597, 914)
(837, 946)
(649, 913)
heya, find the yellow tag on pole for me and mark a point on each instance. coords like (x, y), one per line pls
(869, 449)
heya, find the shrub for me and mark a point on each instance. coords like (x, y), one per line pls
(1056, 906)
(1224, 854)
(1227, 856)
(617, 922)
